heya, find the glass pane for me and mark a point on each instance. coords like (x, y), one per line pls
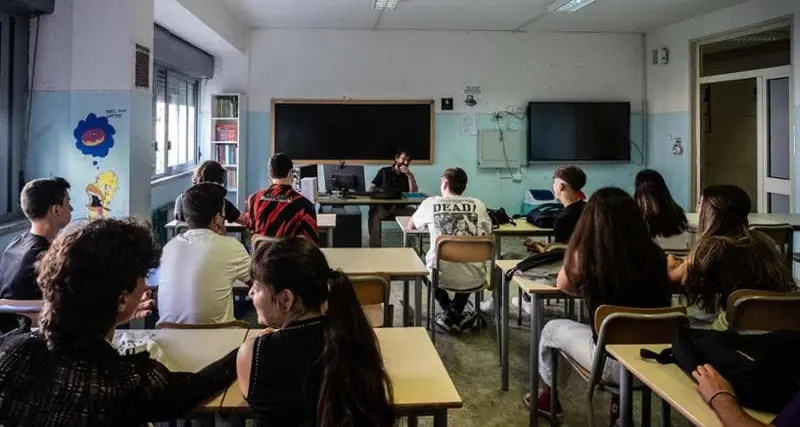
(192, 127)
(778, 203)
(160, 118)
(779, 131)
(183, 141)
(173, 133)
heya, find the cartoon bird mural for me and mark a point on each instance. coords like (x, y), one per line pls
(101, 193)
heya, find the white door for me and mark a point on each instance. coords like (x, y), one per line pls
(775, 154)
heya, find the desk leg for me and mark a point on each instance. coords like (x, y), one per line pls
(405, 239)
(625, 397)
(406, 305)
(504, 333)
(533, 379)
(418, 302)
(329, 233)
(666, 413)
(412, 421)
(440, 418)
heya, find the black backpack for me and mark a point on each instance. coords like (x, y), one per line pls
(544, 216)
(552, 256)
(499, 217)
(762, 368)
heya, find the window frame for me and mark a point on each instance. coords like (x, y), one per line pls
(180, 168)
(14, 87)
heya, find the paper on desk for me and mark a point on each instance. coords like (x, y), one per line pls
(134, 342)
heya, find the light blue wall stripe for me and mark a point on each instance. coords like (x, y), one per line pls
(675, 169)
(453, 149)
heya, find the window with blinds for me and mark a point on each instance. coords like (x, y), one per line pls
(175, 110)
(13, 100)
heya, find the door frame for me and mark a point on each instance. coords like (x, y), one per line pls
(760, 75)
(765, 187)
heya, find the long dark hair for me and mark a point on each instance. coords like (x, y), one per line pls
(84, 273)
(355, 389)
(611, 258)
(727, 255)
(663, 216)
(723, 211)
(719, 265)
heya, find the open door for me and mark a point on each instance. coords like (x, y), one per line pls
(775, 143)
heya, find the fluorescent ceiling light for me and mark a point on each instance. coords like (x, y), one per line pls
(384, 4)
(571, 6)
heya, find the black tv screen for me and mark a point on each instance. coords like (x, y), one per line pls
(579, 131)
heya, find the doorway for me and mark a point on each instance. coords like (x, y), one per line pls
(743, 121)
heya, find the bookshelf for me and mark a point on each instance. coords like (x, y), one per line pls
(227, 144)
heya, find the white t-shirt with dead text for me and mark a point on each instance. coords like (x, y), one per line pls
(454, 216)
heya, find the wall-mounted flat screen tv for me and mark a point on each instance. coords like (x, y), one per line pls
(579, 132)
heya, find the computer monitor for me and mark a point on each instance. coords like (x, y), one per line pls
(344, 178)
(308, 171)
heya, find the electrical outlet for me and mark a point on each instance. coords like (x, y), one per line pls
(516, 176)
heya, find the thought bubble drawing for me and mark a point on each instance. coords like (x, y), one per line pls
(94, 136)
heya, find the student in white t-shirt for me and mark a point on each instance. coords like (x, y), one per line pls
(200, 266)
(454, 215)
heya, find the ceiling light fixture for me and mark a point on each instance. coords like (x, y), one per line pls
(384, 4)
(570, 6)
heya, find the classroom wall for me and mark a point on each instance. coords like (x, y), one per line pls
(669, 87)
(83, 88)
(512, 69)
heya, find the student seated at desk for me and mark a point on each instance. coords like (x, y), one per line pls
(397, 177)
(67, 373)
(718, 393)
(663, 216)
(200, 266)
(279, 210)
(727, 255)
(452, 214)
(610, 259)
(46, 204)
(211, 171)
(567, 184)
(318, 363)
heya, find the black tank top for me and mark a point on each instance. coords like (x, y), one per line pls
(285, 375)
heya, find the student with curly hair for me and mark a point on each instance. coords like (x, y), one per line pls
(67, 373)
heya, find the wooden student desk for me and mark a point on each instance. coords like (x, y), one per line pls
(670, 383)
(756, 219)
(407, 199)
(421, 384)
(537, 290)
(190, 350)
(396, 263)
(419, 234)
(325, 223)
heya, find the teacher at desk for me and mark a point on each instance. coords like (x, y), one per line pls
(394, 178)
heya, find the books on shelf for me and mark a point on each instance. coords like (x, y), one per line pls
(232, 179)
(226, 154)
(226, 132)
(226, 107)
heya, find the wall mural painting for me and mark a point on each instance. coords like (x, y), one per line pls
(101, 192)
(94, 136)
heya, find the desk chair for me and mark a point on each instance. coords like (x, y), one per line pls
(25, 308)
(232, 324)
(462, 249)
(783, 235)
(622, 325)
(373, 294)
(751, 310)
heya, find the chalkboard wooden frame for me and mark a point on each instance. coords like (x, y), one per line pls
(427, 102)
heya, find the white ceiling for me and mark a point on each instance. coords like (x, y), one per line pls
(488, 15)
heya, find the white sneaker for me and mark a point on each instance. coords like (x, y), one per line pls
(526, 305)
(487, 305)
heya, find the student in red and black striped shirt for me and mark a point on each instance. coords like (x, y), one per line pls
(279, 210)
